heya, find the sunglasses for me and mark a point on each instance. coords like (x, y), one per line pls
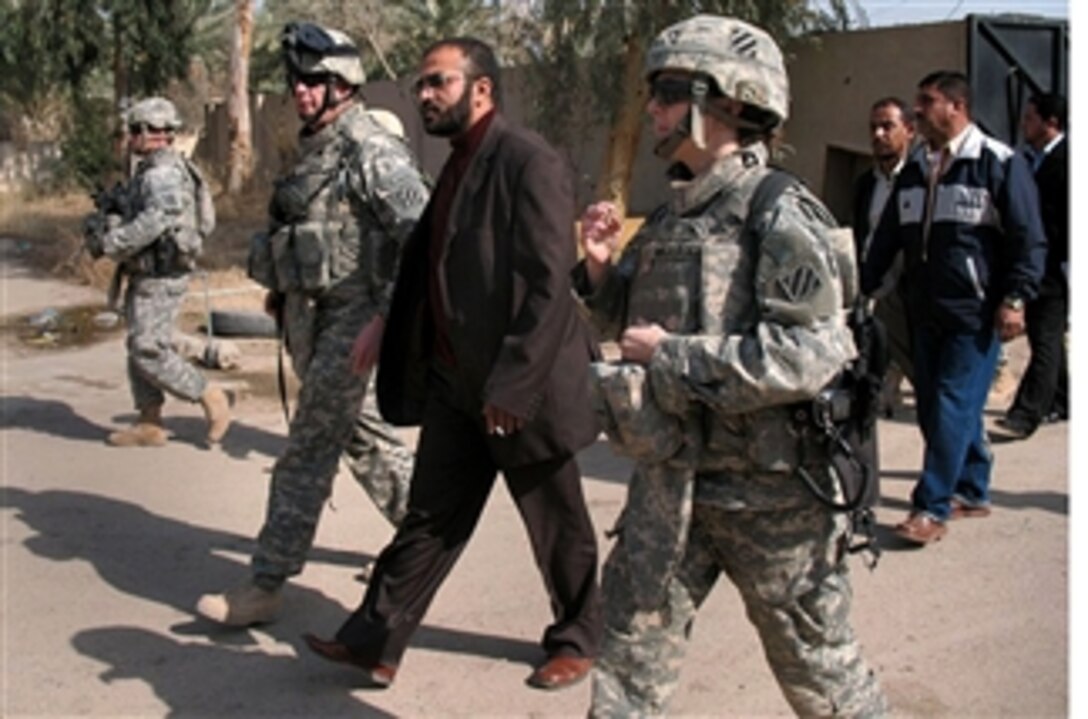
(309, 80)
(140, 128)
(436, 81)
(667, 91)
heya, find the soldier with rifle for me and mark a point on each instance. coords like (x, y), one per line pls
(154, 227)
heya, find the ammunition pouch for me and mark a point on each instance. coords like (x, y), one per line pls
(623, 401)
(296, 255)
(161, 258)
(260, 266)
(291, 258)
(291, 200)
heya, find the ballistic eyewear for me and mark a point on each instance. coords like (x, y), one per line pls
(307, 79)
(666, 91)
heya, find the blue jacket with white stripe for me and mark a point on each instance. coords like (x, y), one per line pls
(985, 240)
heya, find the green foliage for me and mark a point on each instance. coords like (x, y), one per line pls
(422, 22)
(87, 149)
(390, 36)
(67, 42)
(578, 48)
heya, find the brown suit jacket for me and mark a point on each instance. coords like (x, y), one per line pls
(519, 340)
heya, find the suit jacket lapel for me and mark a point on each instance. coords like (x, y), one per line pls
(475, 176)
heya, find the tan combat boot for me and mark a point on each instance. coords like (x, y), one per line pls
(147, 432)
(242, 606)
(217, 411)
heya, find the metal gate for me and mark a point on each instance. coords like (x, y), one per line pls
(1009, 59)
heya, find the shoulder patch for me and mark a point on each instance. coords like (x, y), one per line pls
(799, 284)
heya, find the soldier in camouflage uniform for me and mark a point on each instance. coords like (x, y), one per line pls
(722, 333)
(154, 227)
(338, 220)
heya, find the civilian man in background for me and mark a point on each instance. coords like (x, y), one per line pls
(1043, 394)
(965, 214)
(891, 133)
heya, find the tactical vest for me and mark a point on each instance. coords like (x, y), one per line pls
(318, 218)
(688, 265)
(176, 251)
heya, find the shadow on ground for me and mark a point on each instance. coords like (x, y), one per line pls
(170, 562)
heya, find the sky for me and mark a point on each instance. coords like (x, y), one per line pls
(899, 12)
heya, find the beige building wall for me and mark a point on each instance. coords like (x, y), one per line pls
(834, 81)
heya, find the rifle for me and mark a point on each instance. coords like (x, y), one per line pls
(112, 202)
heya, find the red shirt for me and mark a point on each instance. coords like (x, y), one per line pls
(464, 148)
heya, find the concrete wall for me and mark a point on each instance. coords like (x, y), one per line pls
(22, 167)
(834, 82)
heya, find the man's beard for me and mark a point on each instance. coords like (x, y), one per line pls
(453, 121)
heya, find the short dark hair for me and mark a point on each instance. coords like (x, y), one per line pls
(481, 61)
(905, 110)
(951, 84)
(1051, 106)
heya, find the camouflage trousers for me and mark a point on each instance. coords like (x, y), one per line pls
(154, 366)
(330, 422)
(789, 569)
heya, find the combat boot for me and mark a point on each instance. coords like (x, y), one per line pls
(216, 411)
(242, 606)
(146, 432)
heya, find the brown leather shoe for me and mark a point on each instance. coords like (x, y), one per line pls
(921, 528)
(379, 676)
(962, 510)
(560, 672)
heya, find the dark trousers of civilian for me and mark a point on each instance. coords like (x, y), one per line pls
(952, 374)
(453, 476)
(1044, 388)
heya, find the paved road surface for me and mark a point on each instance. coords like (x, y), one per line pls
(105, 552)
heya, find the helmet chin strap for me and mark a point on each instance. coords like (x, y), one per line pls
(328, 103)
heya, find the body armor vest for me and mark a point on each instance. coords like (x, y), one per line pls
(318, 215)
(688, 266)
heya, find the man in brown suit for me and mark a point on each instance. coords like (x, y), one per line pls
(484, 347)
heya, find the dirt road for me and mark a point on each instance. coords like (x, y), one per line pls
(105, 552)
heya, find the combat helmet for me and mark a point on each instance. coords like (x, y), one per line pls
(728, 57)
(310, 49)
(156, 113)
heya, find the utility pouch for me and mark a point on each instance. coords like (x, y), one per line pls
(311, 256)
(623, 401)
(260, 266)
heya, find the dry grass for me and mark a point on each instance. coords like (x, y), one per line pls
(49, 230)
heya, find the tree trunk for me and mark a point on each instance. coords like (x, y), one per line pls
(240, 156)
(120, 97)
(626, 130)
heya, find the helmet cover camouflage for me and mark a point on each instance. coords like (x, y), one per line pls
(743, 61)
(310, 49)
(154, 112)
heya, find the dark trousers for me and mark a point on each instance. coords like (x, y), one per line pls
(453, 475)
(1044, 387)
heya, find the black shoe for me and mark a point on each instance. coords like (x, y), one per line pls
(1017, 425)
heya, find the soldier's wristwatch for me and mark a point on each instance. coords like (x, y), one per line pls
(1014, 303)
